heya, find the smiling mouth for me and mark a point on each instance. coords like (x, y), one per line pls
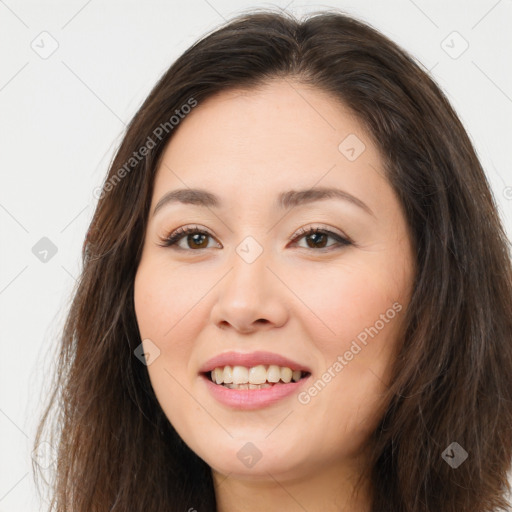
(256, 377)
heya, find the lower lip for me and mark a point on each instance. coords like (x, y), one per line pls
(247, 399)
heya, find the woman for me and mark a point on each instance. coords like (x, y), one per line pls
(221, 354)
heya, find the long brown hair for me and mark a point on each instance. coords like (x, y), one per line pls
(116, 450)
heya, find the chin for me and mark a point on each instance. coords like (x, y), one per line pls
(253, 460)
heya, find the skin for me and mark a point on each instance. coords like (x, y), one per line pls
(295, 299)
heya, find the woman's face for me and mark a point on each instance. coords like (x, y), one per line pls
(257, 281)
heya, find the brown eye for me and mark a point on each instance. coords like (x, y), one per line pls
(197, 240)
(316, 238)
(194, 238)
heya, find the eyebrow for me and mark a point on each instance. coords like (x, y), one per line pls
(289, 199)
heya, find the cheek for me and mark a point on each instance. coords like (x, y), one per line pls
(353, 378)
(165, 307)
(164, 300)
(358, 308)
(352, 300)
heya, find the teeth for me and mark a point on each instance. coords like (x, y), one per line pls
(256, 377)
(240, 375)
(258, 374)
(218, 375)
(273, 373)
(228, 375)
(251, 386)
(286, 374)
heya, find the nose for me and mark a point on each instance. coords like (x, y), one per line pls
(250, 297)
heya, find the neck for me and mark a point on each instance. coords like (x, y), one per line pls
(326, 490)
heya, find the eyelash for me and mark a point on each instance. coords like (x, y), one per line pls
(172, 239)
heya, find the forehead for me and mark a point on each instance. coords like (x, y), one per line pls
(254, 141)
(279, 114)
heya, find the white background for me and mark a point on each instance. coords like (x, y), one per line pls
(62, 117)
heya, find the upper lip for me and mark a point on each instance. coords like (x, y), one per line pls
(249, 360)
